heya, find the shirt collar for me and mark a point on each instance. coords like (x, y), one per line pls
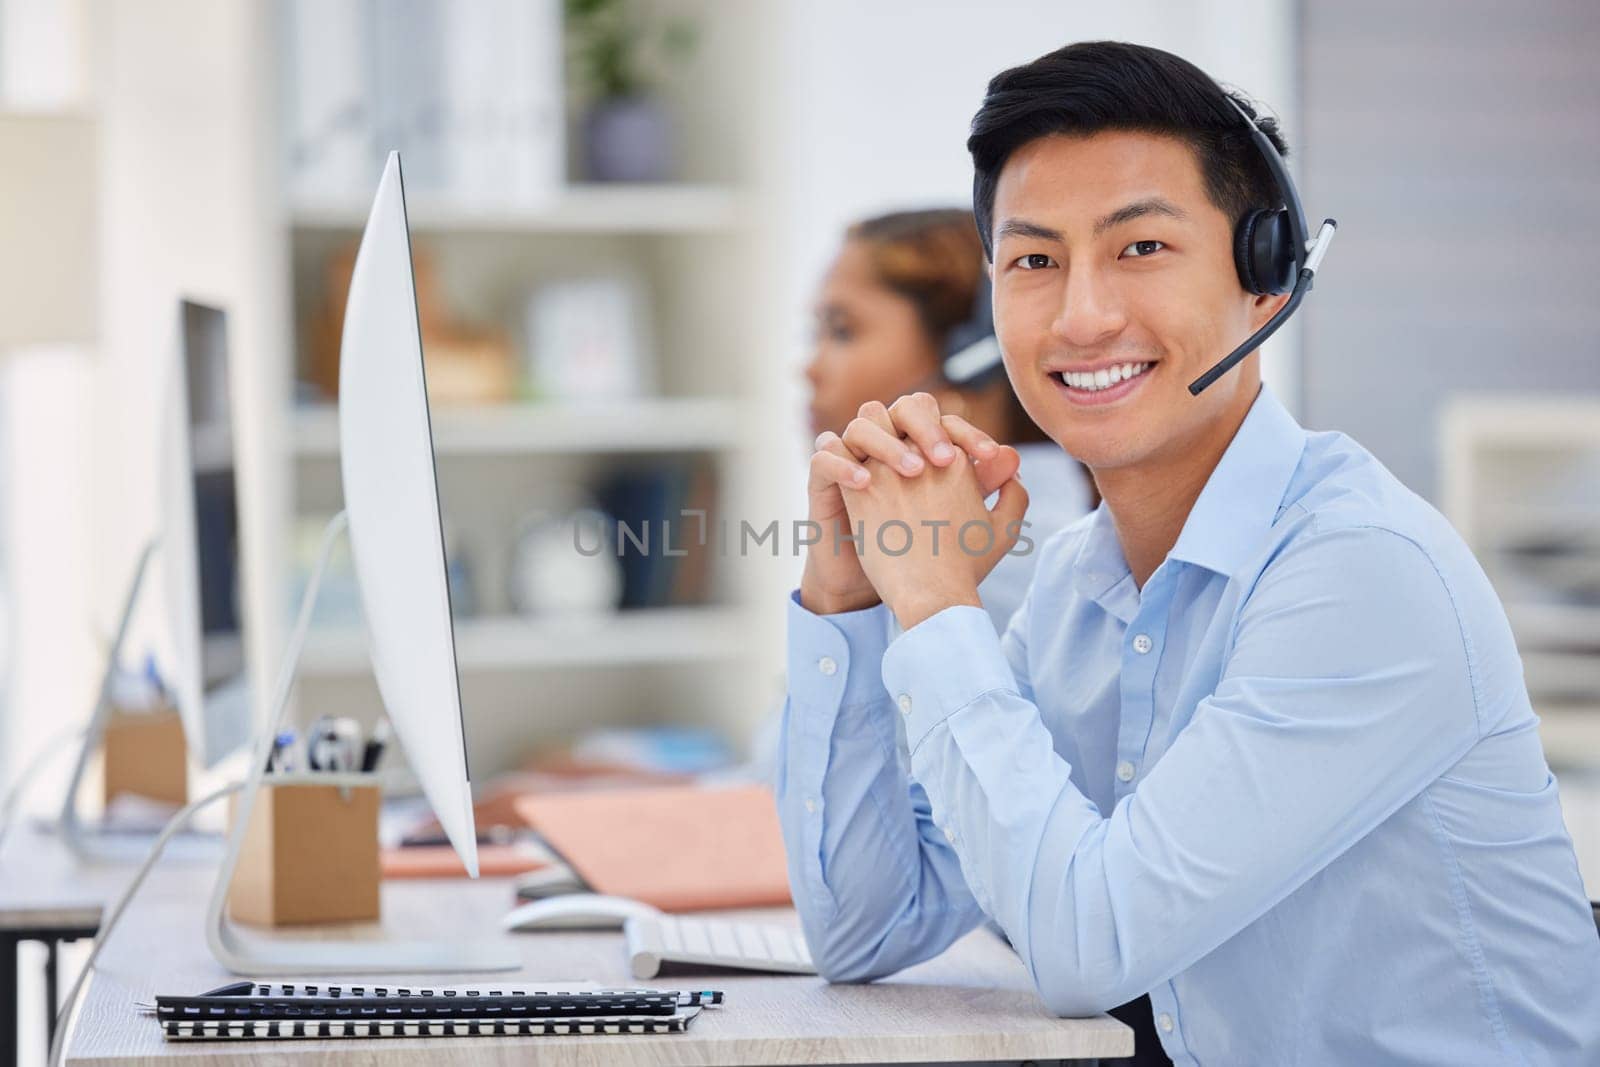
(1100, 570)
(1241, 499)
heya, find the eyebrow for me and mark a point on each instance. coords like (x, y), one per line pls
(1153, 205)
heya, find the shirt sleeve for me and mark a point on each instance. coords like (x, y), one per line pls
(876, 886)
(1347, 689)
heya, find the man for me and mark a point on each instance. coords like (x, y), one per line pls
(1257, 744)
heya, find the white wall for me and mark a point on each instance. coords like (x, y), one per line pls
(871, 111)
(189, 207)
(192, 207)
(45, 415)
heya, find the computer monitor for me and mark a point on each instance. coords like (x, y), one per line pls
(201, 541)
(391, 497)
(198, 547)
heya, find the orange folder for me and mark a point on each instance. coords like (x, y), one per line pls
(679, 848)
(441, 861)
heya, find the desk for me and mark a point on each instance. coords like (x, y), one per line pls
(46, 895)
(972, 1003)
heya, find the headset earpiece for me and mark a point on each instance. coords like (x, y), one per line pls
(1272, 252)
(1263, 251)
(972, 352)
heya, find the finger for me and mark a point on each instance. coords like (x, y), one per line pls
(997, 469)
(916, 415)
(832, 464)
(875, 411)
(967, 437)
(866, 439)
(1006, 518)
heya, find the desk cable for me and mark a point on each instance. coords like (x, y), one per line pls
(177, 823)
(174, 825)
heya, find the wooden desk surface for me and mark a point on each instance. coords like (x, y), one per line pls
(43, 886)
(972, 1003)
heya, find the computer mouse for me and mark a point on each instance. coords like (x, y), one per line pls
(576, 911)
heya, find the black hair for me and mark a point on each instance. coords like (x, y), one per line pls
(1092, 86)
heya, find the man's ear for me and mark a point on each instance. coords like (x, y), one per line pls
(1264, 307)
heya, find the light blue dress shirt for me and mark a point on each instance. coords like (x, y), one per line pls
(1292, 788)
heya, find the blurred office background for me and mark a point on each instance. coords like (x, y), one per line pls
(616, 257)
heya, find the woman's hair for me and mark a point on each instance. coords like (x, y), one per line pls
(935, 260)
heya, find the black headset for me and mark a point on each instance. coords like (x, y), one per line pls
(971, 350)
(1271, 252)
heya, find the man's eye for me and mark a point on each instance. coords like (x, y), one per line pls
(1035, 261)
(1142, 248)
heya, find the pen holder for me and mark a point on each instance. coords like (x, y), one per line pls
(146, 756)
(310, 855)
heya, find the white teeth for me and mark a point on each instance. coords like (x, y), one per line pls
(1094, 381)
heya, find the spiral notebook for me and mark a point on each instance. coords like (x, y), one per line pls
(254, 1011)
(258, 1029)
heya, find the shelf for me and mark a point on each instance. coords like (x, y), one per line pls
(1562, 675)
(1570, 734)
(1541, 626)
(670, 425)
(1530, 421)
(658, 635)
(620, 208)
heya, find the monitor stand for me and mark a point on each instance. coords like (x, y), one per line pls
(281, 956)
(88, 843)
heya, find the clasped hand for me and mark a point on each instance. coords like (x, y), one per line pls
(899, 500)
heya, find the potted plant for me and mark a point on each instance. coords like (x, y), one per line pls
(617, 49)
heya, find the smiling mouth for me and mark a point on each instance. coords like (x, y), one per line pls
(1100, 380)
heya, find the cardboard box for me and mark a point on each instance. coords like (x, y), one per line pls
(310, 855)
(146, 756)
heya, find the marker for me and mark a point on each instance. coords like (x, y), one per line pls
(373, 752)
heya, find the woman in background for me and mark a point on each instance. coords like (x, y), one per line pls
(900, 287)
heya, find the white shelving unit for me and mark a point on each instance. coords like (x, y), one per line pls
(615, 209)
(645, 426)
(531, 679)
(690, 635)
(1521, 482)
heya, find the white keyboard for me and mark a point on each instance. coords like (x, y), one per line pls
(675, 942)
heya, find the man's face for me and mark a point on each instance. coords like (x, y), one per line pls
(1110, 258)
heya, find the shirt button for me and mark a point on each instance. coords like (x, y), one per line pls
(905, 704)
(811, 804)
(1142, 643)
(1125, 771)
(1165, 1022)
(827, 666)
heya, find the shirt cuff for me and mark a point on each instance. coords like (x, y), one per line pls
(834, 662)
(941, 665)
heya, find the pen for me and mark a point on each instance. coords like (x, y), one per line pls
(279, 759)
(373, 752)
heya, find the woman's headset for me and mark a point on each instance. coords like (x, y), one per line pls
(1271, 252)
